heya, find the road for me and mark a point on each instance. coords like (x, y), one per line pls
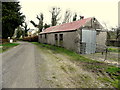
(18, 66)
(30, 66)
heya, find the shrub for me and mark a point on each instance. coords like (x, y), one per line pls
(31, 39)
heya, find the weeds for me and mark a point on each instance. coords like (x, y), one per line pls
(114, 49)
(88, 64)
(6, 46)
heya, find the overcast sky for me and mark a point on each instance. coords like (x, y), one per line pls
(104, 10)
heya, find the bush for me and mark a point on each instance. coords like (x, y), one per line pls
(31, 39)
(3, 40)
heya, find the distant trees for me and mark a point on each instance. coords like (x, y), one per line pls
(75, 17)
(46, 26)
(11, 18)
(40, 24)
(113, 33)
(118, 33)
(67, 16)
(26, 29)
(19, 32)
(55, 13)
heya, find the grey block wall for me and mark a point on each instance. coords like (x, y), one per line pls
(71, 40)
(101, 41)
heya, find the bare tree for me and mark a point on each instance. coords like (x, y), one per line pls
(75, 17)
(55, 13)
(40, 24)
(26, 29)
(81, 17)
(34, 24)
(106, 27)
(67, 16)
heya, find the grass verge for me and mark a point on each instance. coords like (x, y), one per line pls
(88, 64)
(114, 50)
(6, 46)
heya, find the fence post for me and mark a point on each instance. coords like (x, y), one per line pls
(106, 50)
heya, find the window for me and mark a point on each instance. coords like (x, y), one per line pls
(56, 37)
(61, 40)
(61, 37)
(40, 35)
(45, 36)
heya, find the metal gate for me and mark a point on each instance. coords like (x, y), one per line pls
(89, 38)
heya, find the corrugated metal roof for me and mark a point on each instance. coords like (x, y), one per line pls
(67, 26)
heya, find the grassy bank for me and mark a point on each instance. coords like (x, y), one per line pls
(114, 50)
(6, 46)
(110, 74)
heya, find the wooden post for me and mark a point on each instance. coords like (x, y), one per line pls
(106, 50)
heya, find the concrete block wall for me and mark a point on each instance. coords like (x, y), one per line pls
(71, 40)
(101, 41)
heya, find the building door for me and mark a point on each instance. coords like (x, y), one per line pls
(89, 38)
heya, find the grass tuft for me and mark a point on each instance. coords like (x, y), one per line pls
(7, 46)
(88, 64)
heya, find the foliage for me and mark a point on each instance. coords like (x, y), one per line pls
(75, 17)
(26, 29)
(115, 34)
(40, 24)
(31, 39)
(7, 46)
(19, 32)
(118, 33)
(67, 16)
(55, 13)
(114, 49)
(46, 26)
(11, 18)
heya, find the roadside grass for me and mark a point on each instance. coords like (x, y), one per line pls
(88, 64)
(114, 50)
(6, 46)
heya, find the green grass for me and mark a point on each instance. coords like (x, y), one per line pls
(114, 83)
(88, 64)
(7, 46)
(114, 49)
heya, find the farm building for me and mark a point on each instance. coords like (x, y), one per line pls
(84, 36)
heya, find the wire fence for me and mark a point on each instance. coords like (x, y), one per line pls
(101, 53)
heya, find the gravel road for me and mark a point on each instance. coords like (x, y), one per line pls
(18, 66)
(30, 66)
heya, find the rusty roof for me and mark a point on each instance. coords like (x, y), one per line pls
(67, 26)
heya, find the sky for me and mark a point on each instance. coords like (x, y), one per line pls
(105, 11)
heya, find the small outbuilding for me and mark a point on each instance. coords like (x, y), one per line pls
(84, 36)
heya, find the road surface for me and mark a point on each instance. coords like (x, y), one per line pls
(30, 66)
(18, 65)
